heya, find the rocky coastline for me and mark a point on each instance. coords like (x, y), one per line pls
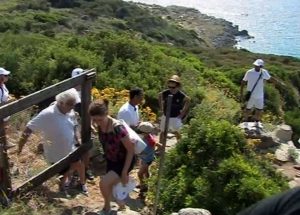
(217, 33)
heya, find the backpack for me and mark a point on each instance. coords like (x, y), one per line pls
(139, 144)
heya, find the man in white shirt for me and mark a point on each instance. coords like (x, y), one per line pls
(129, 112)
(4, 98)
(57, 123)
(255, 78)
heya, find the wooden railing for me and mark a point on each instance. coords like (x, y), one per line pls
(85, 80)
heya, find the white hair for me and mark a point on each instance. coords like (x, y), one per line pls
(67, 95)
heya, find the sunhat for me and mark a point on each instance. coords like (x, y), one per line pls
(259, 62)
(175, 78)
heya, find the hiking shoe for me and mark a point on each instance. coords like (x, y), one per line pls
(89, 175)
(83, 189)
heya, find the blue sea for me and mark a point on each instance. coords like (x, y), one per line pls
(274, 24)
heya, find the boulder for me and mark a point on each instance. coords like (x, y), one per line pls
(284, 133)
(193, 211)
(267, 141)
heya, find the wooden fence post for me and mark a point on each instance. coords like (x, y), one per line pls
(162, 156)
(5, 180)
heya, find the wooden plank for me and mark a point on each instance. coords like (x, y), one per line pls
(39, 96)
(51, 171)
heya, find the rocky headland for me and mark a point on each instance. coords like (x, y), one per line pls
(215, 32)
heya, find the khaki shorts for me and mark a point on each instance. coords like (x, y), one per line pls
(175, 123)
(257, 103)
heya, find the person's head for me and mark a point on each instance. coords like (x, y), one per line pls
(4, 74)
(66, 101)
(258, 64)
(136, 96)
(98, 110)
(174, 84)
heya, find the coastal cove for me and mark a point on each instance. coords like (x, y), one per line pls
(274, 25)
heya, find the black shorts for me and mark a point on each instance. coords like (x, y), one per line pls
(117, 167)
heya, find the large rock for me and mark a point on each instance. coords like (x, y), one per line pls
(193, 211)
(284, 133)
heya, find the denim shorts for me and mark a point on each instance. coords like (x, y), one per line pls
(147, 156)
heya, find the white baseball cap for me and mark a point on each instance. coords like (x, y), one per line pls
(4, 71)
(259, 62)
(77, 71)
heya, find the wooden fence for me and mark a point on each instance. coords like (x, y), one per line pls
(85, 80)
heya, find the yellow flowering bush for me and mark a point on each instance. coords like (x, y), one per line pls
(117, 98)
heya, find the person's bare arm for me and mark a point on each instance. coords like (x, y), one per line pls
(276, 81)
(23, 139)
(186, 107)
(129, 146)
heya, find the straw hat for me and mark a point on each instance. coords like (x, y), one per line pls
(175, 78)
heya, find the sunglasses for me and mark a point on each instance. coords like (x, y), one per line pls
(171, 87)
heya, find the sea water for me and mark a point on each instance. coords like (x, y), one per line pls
(273, 24)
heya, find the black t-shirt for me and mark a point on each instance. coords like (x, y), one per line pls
(287, 203)
(177, 102)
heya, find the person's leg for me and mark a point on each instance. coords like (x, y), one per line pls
(79, 167)
(248, 109)
(142, 173)
(176, 125)
(259, 106)
(106, 185)
(86, 160)
(258, 115)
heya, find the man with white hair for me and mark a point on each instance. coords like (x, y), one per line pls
(255, 79)
(58, 124)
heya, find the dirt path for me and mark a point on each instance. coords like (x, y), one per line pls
(31, 162)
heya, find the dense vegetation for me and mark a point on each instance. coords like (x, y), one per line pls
(212, 167)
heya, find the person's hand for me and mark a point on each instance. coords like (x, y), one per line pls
(124, 178)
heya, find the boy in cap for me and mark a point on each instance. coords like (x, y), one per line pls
(145, 130)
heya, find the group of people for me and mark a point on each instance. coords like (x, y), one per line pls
(59, 126)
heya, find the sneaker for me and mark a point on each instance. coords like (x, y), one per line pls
(89, 174)
(65, 190)
(84, 189)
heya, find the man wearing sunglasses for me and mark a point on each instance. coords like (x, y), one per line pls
(179, 107)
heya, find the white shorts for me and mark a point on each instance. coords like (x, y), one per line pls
(257, 103)
(175, 123)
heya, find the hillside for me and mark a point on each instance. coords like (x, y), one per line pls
(137, 45)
